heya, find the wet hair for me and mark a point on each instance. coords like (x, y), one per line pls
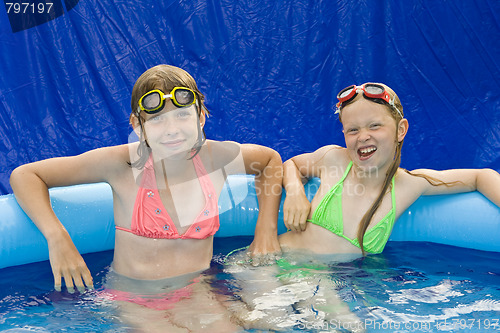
(365, 221)
(164, 78)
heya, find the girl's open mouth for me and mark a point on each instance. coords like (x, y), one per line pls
(365, 153)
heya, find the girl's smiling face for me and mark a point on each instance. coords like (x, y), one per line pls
(370, 133)
(173, 132)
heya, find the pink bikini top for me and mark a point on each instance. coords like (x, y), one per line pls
(150, 218)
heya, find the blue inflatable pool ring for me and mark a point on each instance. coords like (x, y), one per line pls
(466, 220)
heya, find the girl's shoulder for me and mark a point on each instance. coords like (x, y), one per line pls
(117, 155)
(324, 162)
(415, 178)
(111, 161)
(332, 156)
(223, 147)
(405, 191)
(405, 178)
(408, 186)
(220, 153)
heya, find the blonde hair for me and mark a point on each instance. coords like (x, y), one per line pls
(398, 116)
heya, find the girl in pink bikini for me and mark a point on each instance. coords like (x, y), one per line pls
(165, 189)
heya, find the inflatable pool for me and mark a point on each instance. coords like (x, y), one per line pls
(466, 220)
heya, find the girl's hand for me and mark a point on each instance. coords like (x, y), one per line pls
(264, 250)
(295, 212)
(67, 263)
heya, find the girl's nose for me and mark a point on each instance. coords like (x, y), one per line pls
(171, 127)
(363, 135)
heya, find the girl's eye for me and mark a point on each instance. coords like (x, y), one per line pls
(375, 126)
(183, 114)
(156, 119)
(351, 130)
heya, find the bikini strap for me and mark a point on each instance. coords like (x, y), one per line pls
(393, 194)
(203, 177)
(349, 166)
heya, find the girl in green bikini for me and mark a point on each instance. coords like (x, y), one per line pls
(362, 193)
(363, 190)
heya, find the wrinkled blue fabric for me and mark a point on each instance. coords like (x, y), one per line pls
(270, 71)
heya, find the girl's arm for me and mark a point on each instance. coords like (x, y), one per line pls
(266, 165)
(30, 183)
(486, 181)
(296, 171)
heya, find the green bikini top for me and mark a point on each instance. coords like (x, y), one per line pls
(328, 215)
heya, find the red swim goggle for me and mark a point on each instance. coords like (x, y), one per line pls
(370, 90)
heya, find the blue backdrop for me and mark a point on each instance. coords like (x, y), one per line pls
(270, 71)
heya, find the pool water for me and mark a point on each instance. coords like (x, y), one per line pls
(411, 287)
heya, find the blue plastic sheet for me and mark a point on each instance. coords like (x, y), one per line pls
(270, 71)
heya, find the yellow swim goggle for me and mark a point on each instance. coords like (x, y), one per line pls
(153, 101)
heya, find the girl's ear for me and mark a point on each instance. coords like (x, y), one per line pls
(203, 118)
(136, 125)
(402, 129)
